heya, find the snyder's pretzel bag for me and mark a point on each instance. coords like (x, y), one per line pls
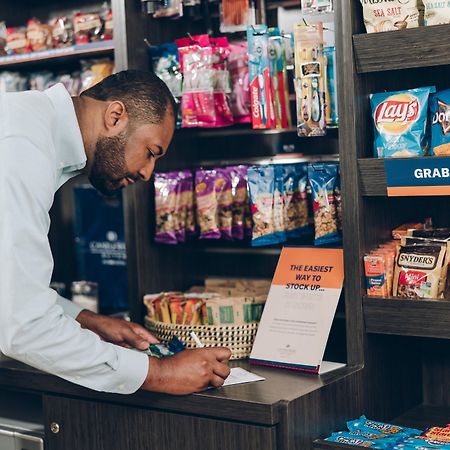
(436, 12)
(400, 123)
(440, 123)
(391, 15)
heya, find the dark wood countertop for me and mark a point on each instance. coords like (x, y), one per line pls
(261, 399)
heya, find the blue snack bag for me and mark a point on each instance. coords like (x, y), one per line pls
(400, 123)
(262, 189)
(344, 437)
(440, 123)
(322, 178)
(371, 425)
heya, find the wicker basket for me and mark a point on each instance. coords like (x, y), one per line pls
(238, 338)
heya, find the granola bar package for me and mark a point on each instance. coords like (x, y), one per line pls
(418, 271)
(436, 12)
(238, 176)
(391, 15)
(322, 177)
(224, 202)
(261, 183)
(166, 205)
(295, 177)
(207, 206)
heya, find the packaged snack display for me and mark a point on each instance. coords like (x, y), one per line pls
(12, 82)
(263, 114)
(207, 205)
(438, 433)
(62, 33)
(87, 27)
(224, 195)
(235, 15)
(17, 41)
(39, 35)
(373, 426)
(95, 70)
(376, 275)
(400, 122)
(310, 79)
(295, 199)
(436, 12)
(421, 443)
(418, 271)
(322, 178)
(186, 203)
(392, 15)
(239, 193)
(403, 229)
(240, 87)
(440, 123)
(197, 102)
(262, 187)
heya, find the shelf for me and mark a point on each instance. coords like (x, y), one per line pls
(424, 416)
(372, 177)
(56, 54)
(404, 49)
(423, 318)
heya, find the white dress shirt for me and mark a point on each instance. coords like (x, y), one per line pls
(40, 149)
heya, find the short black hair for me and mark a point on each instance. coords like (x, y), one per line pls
(145, 96)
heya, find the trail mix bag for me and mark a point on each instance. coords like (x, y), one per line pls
(389, 15)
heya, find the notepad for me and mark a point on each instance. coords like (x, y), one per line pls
(240, 376)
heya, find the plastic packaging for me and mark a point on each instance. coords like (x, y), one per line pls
(87, 27)
(236, 15)
(17, 41)
(371, 425)
(440, 123)
(238, 176)
(95, 70)
(62, 33)
(224, 195)
(207, 205)
(3, 34)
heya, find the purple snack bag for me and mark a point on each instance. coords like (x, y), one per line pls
(186, 205)
(239, 194)
(166, 198)
(224, 202)
(207, 207)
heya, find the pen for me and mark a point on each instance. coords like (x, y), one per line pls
(197, 341)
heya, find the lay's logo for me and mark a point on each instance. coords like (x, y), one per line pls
(397, 113)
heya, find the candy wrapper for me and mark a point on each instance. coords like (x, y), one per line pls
(263, 114)
(197, 104)
(322, 177)
(400, 123)
(295, 177)
(310, 79)
(262, 187)
(239, 193)
(207, 205)
(240, 91)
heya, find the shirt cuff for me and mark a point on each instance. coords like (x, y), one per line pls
(131, 372)
(70, 308)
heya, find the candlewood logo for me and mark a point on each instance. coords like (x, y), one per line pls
(416, 261)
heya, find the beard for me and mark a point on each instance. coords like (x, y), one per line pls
(108, 168)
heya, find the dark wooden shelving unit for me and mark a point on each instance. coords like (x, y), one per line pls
(425, 318)
(57, 55)
(404, 49)
(372, 177)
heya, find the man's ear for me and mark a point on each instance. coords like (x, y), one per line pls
(116, 118)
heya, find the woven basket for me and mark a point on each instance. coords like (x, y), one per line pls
(238, 338)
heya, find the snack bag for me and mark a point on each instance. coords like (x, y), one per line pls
(400, 123)
(17, 41)
(238, 176)
(418, 271)
(186, 203)
(392, 15)
(87, 27)
(224, 202)
(438, 433)
(363, 423)
(261, 183)
(344, 437)
(108, 25)
(295, 177)
(322, 177)
(166, 206)
(421, 443)
(436, 12)
(95, 70)
(207, 206)
(39, 35)
(278, 204)
(62, 33)
(3, 34)
(440, 123)
(376, 275)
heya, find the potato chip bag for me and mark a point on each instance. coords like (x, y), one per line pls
(436, 12)
(440, 123)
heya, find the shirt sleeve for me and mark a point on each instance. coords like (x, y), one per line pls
(36, 327)
(70, 309)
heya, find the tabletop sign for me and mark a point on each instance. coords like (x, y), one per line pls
(417, 176)
(299, 311)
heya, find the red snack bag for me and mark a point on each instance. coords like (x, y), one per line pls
(87, 27)
(17, 41)
(107, 18)
(62, 32)
(39, 35)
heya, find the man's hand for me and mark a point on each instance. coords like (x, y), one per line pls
(188, 371)
(117, 331)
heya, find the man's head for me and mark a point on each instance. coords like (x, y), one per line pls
(127, 121)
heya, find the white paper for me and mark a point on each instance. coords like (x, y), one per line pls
(239, 376)
(328, 366)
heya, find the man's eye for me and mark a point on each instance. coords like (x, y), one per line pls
(150, 154)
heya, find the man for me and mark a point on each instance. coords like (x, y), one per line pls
(115, 131)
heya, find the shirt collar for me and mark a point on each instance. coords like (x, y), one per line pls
(69, 146)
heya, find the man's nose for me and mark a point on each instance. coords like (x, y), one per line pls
(146, 172)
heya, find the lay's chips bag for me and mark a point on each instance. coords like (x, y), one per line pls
(400, 123)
